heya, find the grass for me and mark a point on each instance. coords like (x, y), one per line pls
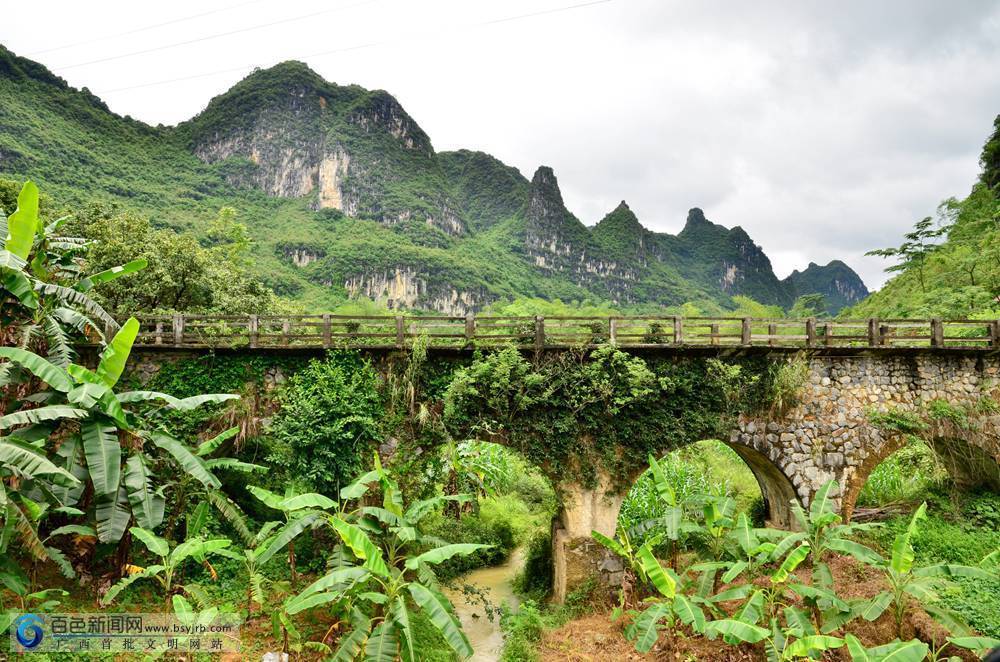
(904, 476)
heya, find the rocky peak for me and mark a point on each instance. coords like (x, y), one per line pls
(837, 282)
(621, 233)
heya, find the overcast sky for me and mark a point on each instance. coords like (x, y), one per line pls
(824, 129)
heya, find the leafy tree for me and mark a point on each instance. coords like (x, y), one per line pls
(328, 421)
(914, 252)
(182, 275)
(808, 305)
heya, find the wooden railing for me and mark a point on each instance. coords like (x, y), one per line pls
(323, 331)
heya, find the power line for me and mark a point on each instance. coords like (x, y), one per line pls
(216, 36)
(373, 44)
(144, 28)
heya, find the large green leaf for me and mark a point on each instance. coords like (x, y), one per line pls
(149, 571)
(208, 447)
(899, 651)
(902, 548)
(739, 630)
(334, 583)
(979, 644)
(287, 534)
(153, 542)
(441, 554)
(19, 285)
(664, 488)
(23, 223)
(40, 415)
(116, 354)
(645, 629)
(191, 463)
(29, 462)
(418, 509)
(744, 535)
(352, 643)
(308, 500)
(823, 501)
(815, 643)
(401, 615)
(792, 561)
(361, 545)
(689, 613)
(663, 582)
(442, 618)
(610, 544)
(197, 548)
(861, 552)
(107, 275)
(267, 497)
(950, 570)
(381, 645)
(51, 374)
(104, 456)
(112, 514)
(147, 503)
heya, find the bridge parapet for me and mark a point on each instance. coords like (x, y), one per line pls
(539, 333)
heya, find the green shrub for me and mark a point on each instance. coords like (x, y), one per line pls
(328, 422)
(522, 632)
(906, 475)
(535, 579)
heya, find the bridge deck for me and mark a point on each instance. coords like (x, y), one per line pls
(649, 332)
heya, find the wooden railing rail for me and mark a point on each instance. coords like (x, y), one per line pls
(401, 331)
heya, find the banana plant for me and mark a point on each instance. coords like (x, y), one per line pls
(907, 580)
(896, 651)
(107, 445)
(250, 557)
(825, 531)
(41, 272)
(382, 568)
(670, 607)
(27, 476)
(673, 524)
(171, 559)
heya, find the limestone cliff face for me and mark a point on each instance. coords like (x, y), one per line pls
(406, 287)
(344, 147)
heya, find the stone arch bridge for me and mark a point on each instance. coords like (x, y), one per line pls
(853, 370)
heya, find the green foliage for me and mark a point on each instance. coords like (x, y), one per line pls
(328, 421)
(535, 579)
(381, 568)
(904, 476)
(566, 415)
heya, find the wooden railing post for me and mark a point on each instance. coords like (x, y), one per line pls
(772, 331)
(286, 328)
(253, 328)
(884, 335)
(872, 332)
(178, 330)
(745, 332)
(937, 332)
(827, 334)
(539, 333)
(470, 328)
(994, 334)
(713, 332)
(327, 331)
(678, 330)
(811, 332)
(400, 341)
(159, 332)
(613, 330)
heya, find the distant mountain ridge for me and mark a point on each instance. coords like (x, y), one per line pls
(345, 196)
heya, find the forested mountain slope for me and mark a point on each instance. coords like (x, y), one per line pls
(345, 196)
(949, 266)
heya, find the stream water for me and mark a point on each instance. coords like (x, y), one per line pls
(484, 634)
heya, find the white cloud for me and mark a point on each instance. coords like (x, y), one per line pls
(823, 129)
